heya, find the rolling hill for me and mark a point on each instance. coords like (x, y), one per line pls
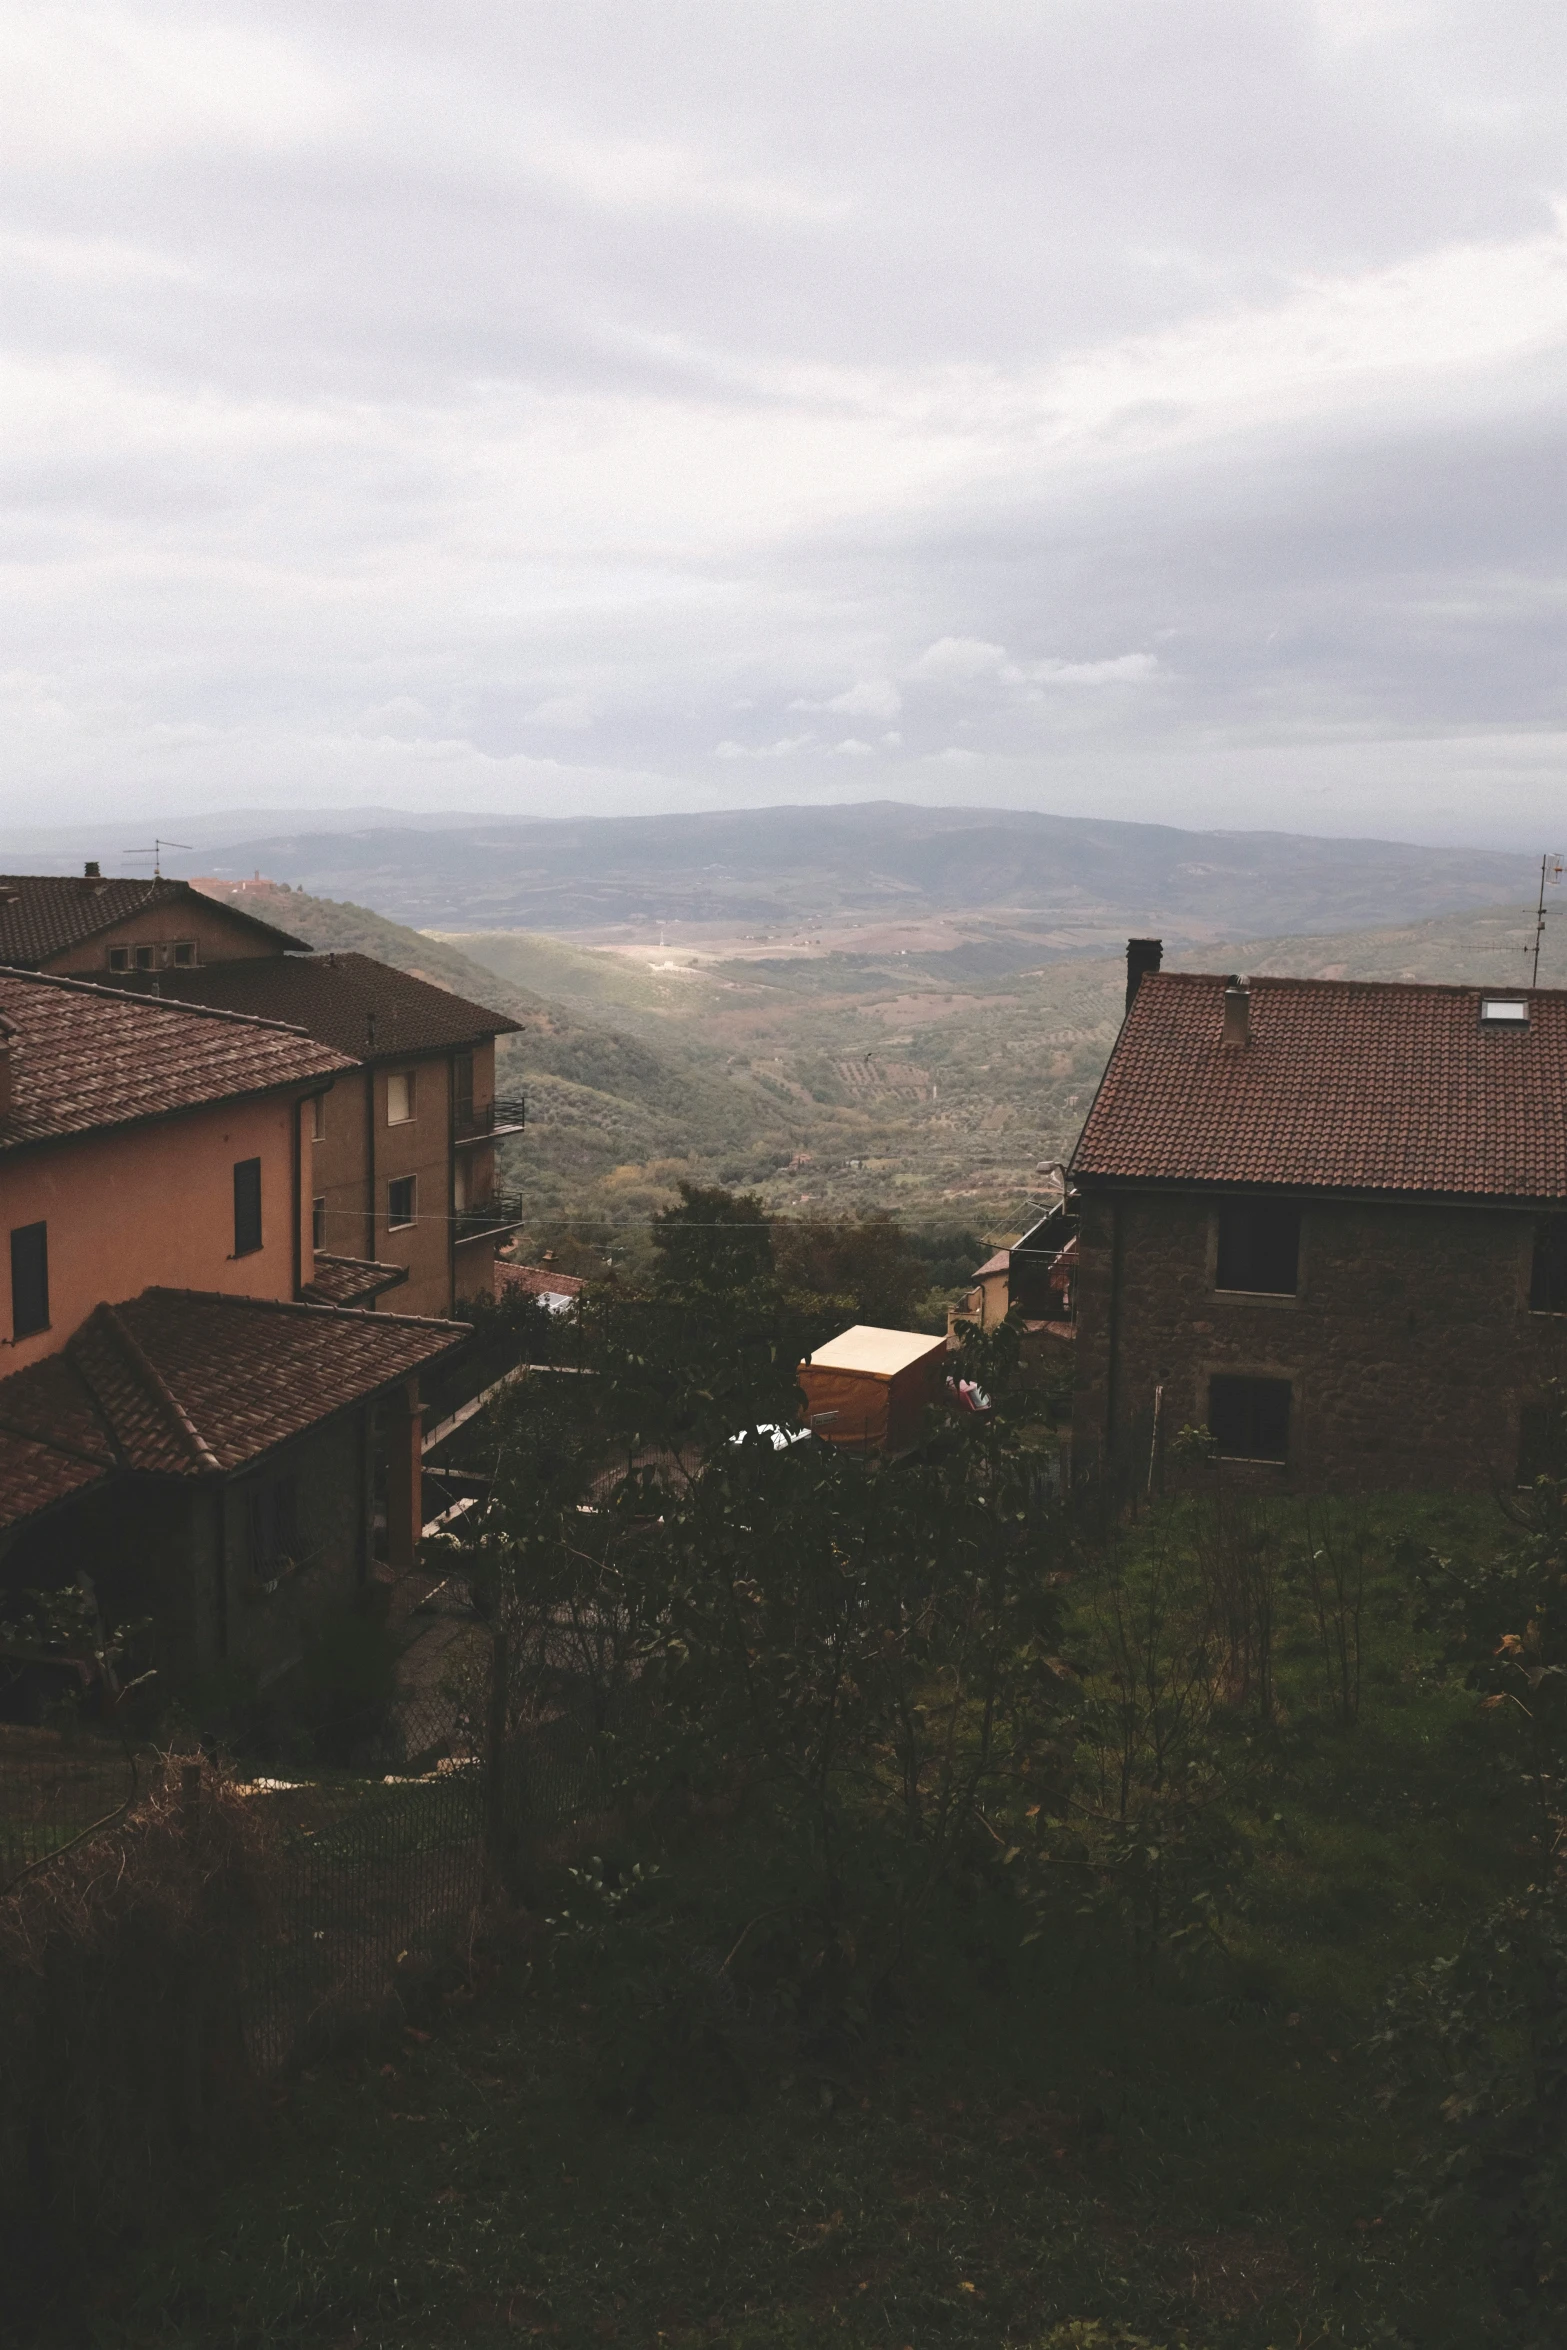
(834, 1081)
(1050, 884)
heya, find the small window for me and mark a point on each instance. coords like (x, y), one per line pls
(272, 1528)
(119, 958)
(400, 1097)
(318, 1223)
(247, 1207)
(1504, 1011)
(1539, 1442)
(318, 1118)
(1259, 1248)
(29, 1280)
(183, 954)
(462, 1088)
(146, 958)
(1548, 1273)
(400, 1201)
(1250, 1418)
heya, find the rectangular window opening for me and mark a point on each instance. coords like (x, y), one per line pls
(318, 1223)
(400, 1201)
(1250, 1418)
(1540, 1447)
(318, 1118)
(400, 1097)
(1504, 1011)
(183, 953)
(1548, 1272)
(1259, 1248)
(29, 1280)
(119, 958)
(462, 1088)
(247, 1207)
(146, 958)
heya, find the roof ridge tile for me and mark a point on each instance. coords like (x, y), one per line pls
(147, 1370)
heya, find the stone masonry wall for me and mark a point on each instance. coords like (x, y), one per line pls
(1410, 1346)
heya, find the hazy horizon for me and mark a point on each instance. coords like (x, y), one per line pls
(1133, 413)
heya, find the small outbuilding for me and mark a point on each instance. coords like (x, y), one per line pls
(871, 1387)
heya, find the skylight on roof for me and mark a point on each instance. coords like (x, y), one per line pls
(1505, 1010)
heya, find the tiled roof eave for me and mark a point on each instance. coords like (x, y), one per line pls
(1087, 1179)
(14, 1146)
(294, 1305)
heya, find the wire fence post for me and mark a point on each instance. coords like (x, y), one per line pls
(497, 1858)
(191, 2102)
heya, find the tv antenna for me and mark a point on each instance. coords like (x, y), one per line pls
(156, 854)
(1550, 870)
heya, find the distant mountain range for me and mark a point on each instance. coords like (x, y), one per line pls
(1060, 884)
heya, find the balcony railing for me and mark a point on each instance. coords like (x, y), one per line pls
(489, 1218)
(506, 1114)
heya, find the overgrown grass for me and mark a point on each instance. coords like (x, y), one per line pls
(1033, 2136)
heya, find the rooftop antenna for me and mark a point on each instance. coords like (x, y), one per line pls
(1550, 870)
(156, 854)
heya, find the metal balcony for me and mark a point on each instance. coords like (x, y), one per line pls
(490, 1121)
(489, 1219)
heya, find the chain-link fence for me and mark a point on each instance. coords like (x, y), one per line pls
(54, 1789)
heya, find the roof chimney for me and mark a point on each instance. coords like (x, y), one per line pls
(1237, 1012)
(1143, 955)
(90, 870)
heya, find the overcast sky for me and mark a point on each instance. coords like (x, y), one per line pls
(1151, 408)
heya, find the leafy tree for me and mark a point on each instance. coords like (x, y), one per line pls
(714, 1241)
(1478, 2044)
(856, 1654)
(1503, 1621)
(864, 1268)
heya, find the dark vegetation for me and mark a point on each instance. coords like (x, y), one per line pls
(1064, 1923)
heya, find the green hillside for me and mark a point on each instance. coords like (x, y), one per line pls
(921, 1082)
(953, 1089)
(605, 1102)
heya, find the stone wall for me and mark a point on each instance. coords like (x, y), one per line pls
(1409, 1345)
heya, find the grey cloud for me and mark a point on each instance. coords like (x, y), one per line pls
(515, 406)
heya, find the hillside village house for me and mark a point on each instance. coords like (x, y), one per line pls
(401, 1175)
(176, 1418)
(1327, 1220)
(402, 1168)
(89, 926)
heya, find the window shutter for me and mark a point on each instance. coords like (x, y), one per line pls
(29, 1280)
(247, 1207)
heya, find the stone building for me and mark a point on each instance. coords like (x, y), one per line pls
(1327, 1220)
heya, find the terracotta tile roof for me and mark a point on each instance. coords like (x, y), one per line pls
(35, 1477)
(1343, 1085)
(192, 1381)
(84, 1056)
(183, 1383)
(351, 1002)
(1000, 1263)
(537, 1281)
(42, 914)
(351, 1281)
